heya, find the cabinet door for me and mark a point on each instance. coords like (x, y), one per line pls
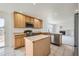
(19, 20)
(28, 19)
(31, 20)
(37, 23)
(22, 42)
(19, 41)
(44, 44)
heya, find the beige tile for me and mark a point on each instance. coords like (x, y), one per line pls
(68, 51)
(64, 50)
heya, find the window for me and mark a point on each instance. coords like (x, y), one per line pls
(1, 22)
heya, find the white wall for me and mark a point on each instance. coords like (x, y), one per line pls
(8, 30)
(68, 27)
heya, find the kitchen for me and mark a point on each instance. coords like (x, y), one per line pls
(24, 21)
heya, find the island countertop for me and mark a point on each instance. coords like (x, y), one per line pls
(36, 37)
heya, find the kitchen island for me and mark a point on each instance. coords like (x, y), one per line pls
(38, 45)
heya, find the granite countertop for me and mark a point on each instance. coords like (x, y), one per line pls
(38, 33)
(55, 33)
(36, 37)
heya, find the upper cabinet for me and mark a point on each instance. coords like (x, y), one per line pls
(20, 21)
(29, 20)
(37, 23)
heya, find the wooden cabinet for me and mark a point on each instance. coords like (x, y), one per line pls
(22, 42)
(44, 44)
(19, 20)
(29, 20)
(39, 47)
(37, 23)
(19, 41)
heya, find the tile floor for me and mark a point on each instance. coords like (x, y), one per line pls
(64, 50)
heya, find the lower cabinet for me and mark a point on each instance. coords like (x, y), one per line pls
(19, 41)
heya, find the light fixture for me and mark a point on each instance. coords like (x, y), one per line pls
(34, 3)
(77, 11)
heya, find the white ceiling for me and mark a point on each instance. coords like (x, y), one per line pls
(50, 11)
